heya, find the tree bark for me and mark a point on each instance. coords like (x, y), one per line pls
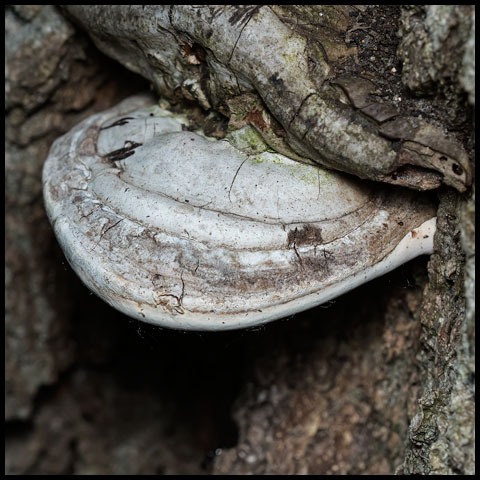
(380, 381)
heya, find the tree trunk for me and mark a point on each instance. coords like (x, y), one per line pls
(379, 381)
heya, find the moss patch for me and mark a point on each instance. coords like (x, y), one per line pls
(248, 140)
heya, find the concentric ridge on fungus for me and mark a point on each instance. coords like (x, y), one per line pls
(188, 232)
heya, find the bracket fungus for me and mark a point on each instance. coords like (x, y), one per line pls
(184, 231)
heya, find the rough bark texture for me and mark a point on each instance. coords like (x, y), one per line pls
(217, 54)
(377, 382)
(441, 438)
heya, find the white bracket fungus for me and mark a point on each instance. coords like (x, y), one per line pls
(184, 231)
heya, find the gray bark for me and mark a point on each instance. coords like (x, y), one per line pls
(218, 54)
(380, 381)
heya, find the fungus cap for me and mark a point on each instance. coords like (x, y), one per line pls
(184, 231)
